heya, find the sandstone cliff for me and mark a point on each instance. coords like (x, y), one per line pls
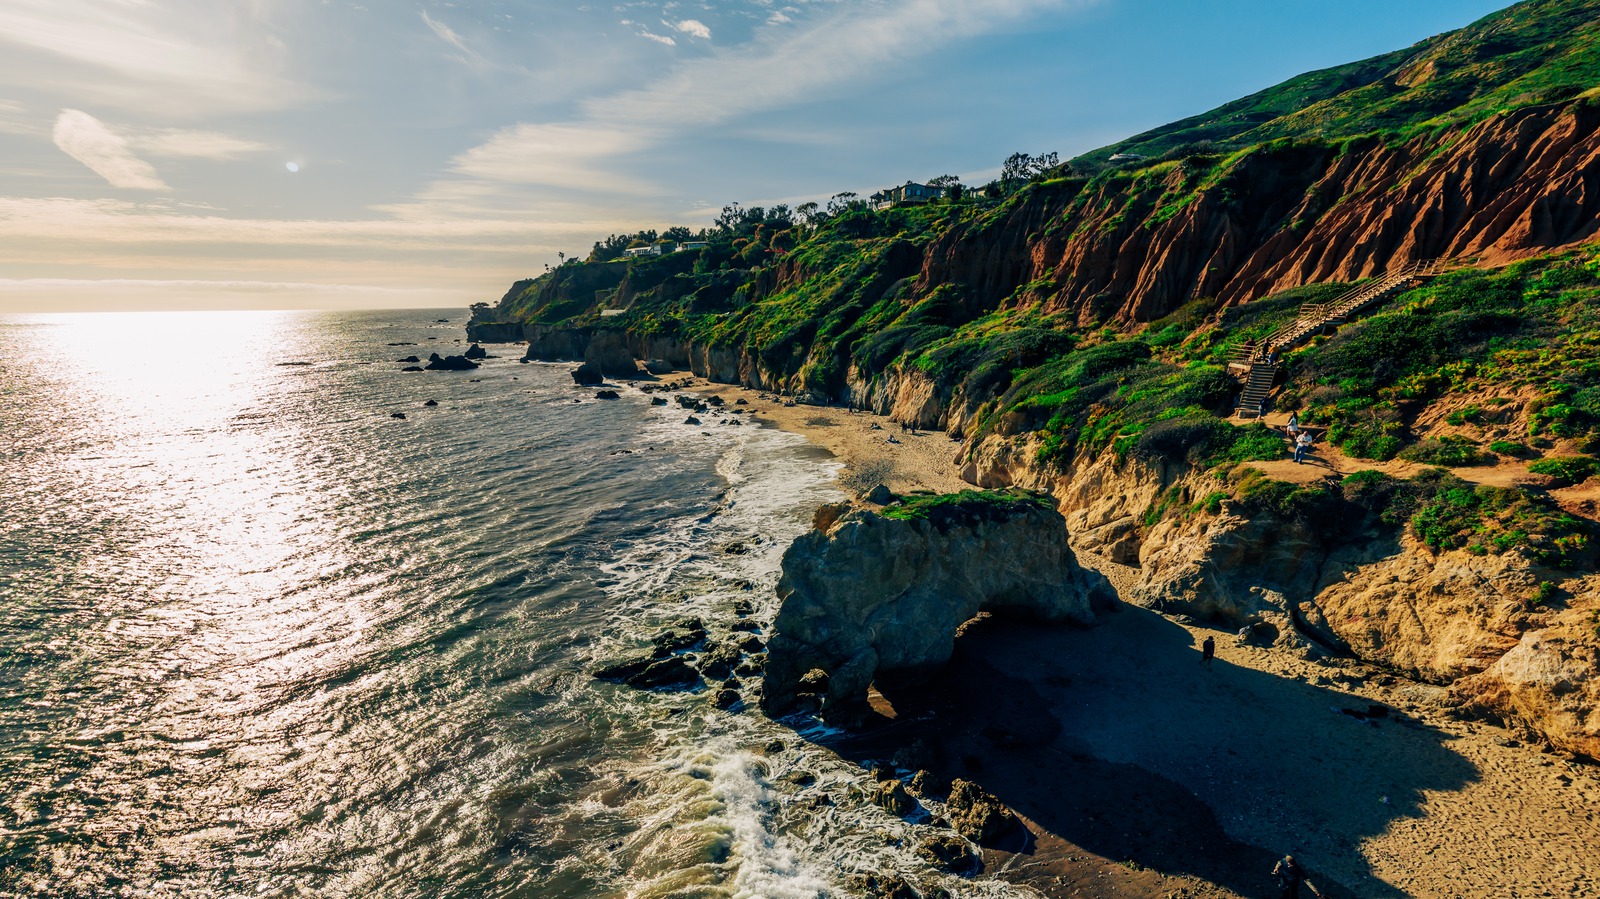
(883, 593)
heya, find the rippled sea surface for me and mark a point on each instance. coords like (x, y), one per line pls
(260, 638)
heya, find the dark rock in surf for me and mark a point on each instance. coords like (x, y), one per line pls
(606, 395)
(409, 359)
(449, 363)
(657, 401)
(950, 853)
(412, 368)
(978, 815)
(891, 796)
(431, 403)
(691, 420)
(587, 375)
(397, 415)
(476, 352)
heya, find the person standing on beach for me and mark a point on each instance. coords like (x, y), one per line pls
(1208, 651)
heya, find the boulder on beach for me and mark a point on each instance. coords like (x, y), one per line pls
(887, 592)
(449, 363)
(587, 375)
(608, 351)
(658, 367)
(476, 352)
(977, 814)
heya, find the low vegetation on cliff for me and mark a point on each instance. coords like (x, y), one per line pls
(1092, 308)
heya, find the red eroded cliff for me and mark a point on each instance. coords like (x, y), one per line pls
(1137, 244)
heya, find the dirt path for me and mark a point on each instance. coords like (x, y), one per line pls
(1327, 460)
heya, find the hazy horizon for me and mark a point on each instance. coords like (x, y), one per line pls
(173, 154)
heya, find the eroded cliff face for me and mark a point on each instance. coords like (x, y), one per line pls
(1135, 249)
(873, 594)
(1473, 622)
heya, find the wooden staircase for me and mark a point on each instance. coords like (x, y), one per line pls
(1257, 361)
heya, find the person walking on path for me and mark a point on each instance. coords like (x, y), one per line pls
(1294, 425)
(1208, 651)
(1302, 445)
(1291, 877)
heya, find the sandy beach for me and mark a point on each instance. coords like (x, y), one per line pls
(1141, 773)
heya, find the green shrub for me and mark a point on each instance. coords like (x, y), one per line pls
(1507, 448)
(1567, 469)
(1451, 452)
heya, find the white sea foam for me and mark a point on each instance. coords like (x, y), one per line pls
(711, 788)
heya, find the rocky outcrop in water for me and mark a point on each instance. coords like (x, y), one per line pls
(449, 363)
(882, 593)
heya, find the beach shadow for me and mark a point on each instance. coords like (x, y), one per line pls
(1116, 740)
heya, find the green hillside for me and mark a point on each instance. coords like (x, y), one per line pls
(1539, 51)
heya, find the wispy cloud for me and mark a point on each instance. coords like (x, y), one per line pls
(779, 67)
(178, 56)
(195, 144)
(86, 139)
(694, 27)
(658, 38)
(445, 32)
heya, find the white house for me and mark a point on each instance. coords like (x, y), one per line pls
(907, 194)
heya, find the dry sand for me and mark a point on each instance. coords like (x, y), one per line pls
(1142, 774)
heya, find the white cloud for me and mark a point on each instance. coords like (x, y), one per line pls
(195, 144)
(445, 32)
(86, 139)
(182, 57)
(779, 67)
(658, 38)
(694, 27)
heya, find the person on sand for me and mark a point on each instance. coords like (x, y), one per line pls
(1302, 446)
(1291, 877)
(1208, 651)
(1294, 425)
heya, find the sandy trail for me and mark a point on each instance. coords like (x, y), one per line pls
(1142, 774)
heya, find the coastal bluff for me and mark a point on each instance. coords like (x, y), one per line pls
(867, 593)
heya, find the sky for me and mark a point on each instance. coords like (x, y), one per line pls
(165, 154)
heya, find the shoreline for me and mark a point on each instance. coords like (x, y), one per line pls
(1416, 804)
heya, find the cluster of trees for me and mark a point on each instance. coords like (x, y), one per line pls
(736, 221)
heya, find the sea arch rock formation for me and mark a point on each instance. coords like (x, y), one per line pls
(871, 593)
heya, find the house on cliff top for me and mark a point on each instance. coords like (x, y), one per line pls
(908, 194)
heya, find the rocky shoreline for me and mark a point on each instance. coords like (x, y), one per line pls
(1429, 831)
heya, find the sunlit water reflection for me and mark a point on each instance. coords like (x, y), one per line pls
(257, 637)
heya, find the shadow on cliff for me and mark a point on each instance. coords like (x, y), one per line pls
(1116, 740)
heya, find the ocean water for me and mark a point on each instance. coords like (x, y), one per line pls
(260, 638)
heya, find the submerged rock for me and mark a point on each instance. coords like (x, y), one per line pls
(877, 593)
